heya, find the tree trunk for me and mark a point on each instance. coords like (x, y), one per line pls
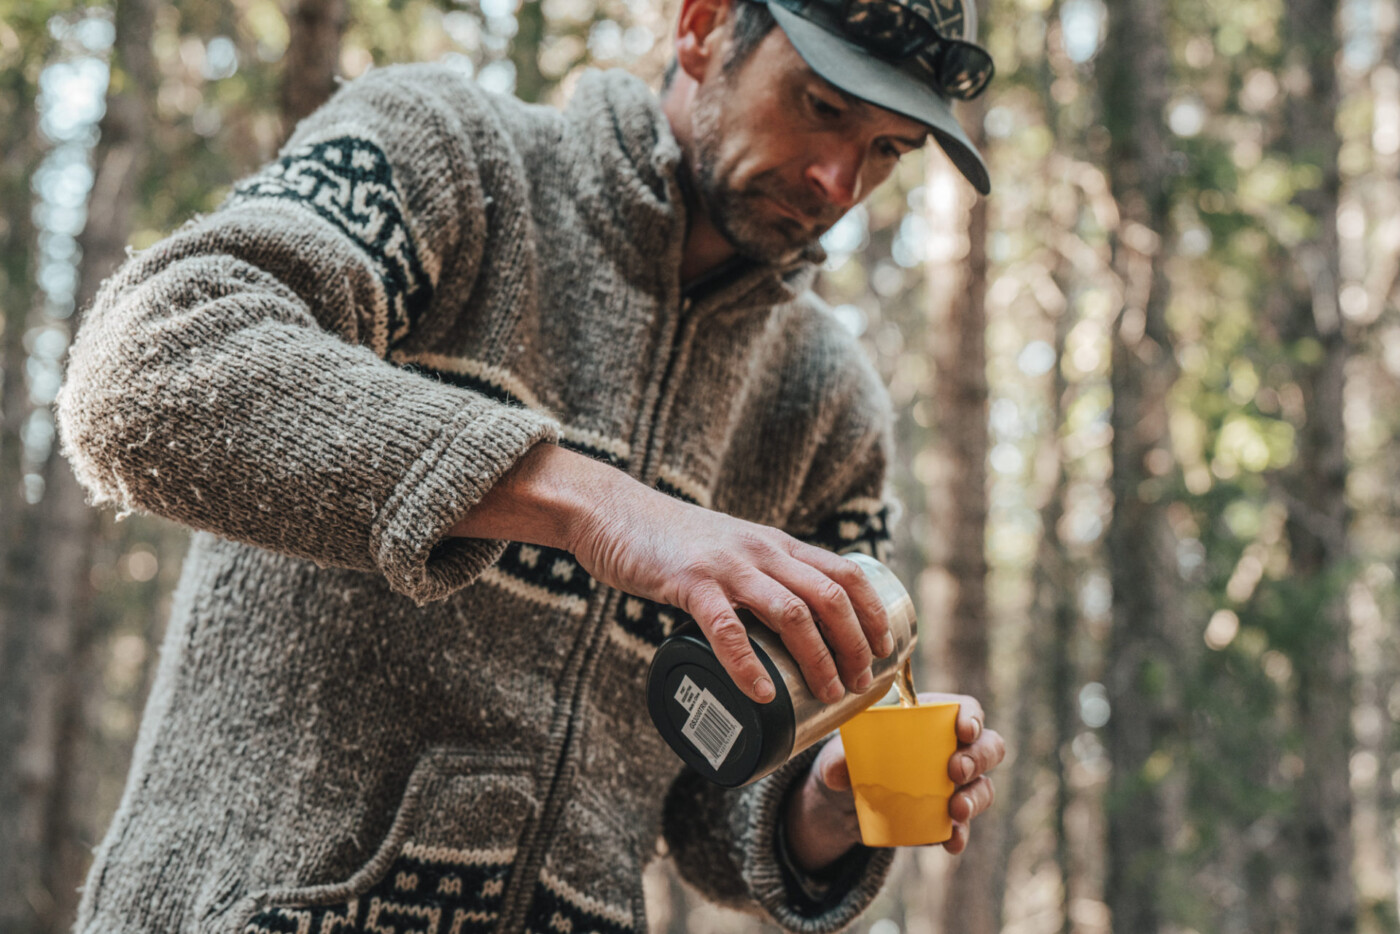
(530, 84)
(68, 529)
(1318, 516)
(22, 782)
(973, 902)
(1145, 647)
(1055, 614)
(312, 58)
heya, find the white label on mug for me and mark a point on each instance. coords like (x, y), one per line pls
(711, 729)
(688, 693)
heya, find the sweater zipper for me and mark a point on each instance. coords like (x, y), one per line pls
(652, 450)
(531, 858)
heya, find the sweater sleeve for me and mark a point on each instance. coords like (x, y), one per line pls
(234, 377)
(726, 842)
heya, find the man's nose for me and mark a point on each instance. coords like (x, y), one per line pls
(836, 177)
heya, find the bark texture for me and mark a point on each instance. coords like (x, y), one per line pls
(1318, 516)
(960, 395)
(312, 59)
(1144, 648)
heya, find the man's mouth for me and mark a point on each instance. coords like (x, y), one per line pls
(783, 209)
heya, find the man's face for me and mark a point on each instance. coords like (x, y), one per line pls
(780, 154)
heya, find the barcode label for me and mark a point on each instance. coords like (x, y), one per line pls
(688, 694)
(711, 729)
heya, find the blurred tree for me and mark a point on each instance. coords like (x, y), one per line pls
(1145, 647)
(68, 529)
(530, 82)
(312, 57)
(25, 45)
(1316, 486)
(960, 517)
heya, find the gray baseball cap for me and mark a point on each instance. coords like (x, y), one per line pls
(818, 33)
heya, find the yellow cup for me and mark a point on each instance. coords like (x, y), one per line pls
(898, 758)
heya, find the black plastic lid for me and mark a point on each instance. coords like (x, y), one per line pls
(707, 720)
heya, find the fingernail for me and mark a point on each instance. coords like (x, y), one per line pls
(886, 646)
(968, 766)
(976, 729)
(764, 689)
(864, 680)
(834, 691)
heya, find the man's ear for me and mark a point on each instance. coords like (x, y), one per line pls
(700, 34)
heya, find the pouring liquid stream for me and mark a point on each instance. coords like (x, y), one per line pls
(904, 681)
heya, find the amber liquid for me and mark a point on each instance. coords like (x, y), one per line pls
(904, 681)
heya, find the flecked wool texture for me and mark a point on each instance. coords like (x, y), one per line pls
(359, 722)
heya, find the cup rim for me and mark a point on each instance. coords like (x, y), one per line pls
(897, 706)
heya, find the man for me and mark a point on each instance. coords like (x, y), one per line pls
(464, 397)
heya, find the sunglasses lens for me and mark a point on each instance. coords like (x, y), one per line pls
(886, 27)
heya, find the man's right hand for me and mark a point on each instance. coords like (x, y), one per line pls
(654, 546)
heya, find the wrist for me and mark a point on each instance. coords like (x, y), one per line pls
(545, 498)
(817, 833)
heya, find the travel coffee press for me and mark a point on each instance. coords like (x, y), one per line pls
(732, 740)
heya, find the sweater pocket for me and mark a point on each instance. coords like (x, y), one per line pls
(444, 866)
(578, 891)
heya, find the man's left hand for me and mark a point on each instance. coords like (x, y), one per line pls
(821, 816)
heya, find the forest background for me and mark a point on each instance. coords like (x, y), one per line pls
(1147, 397)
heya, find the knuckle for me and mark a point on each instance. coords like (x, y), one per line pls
(792, 611)
(831, 592)
(847, 572)
(728, 632)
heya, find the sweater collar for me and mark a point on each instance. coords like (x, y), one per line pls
(633, 164)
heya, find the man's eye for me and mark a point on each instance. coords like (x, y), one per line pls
(891, 150)
(823, 108)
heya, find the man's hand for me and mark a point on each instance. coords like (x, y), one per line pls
(821, 816)
(651, 545)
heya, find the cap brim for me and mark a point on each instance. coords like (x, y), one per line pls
(861, 74)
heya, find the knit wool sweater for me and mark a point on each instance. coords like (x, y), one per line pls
(360, 722)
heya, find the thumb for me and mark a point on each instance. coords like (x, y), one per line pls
(831, 767)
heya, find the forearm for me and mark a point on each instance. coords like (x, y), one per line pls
(544, 499)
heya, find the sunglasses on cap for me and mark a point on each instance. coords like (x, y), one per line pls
(899, 32)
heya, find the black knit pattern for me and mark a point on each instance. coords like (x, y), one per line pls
(551, 913)
(349, 182)
(675, 491)
(648, 620)
(414, 895)
(855, 530)
(552, 569)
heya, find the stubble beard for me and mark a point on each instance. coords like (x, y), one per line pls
(742, 215)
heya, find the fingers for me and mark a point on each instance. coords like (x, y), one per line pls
(958, 841)
(787, 615)
(730, 640)
(971, 800)
(970, 714)
(854, 590)
(965, 805)
(831, 766)
(832, 607)
(977, 758)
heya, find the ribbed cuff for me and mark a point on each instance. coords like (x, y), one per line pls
(853, 883)
(473, 451)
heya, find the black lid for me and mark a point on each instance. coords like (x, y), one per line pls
(707, 720)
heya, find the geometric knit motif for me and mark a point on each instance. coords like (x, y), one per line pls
(427, 890)
(557, 908)
(857, 525)
(349, 182)
(435, 890)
